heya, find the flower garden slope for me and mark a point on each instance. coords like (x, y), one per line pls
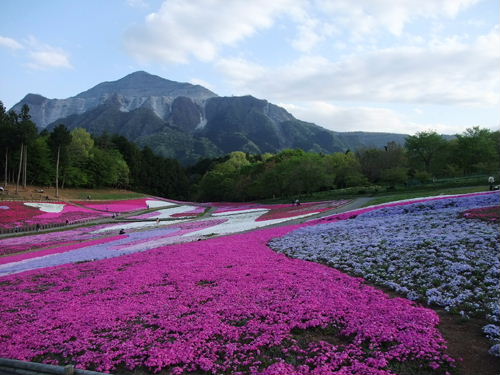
(225, 305)
(426, 251)
(18, 214)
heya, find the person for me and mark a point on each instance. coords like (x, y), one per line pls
(491, 181)
(122, 231)
(157, 220)
(297, 203)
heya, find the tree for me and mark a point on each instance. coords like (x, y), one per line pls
(426, 148)
(6, 138)
(345, 169)
(79, 154)
(59, 140)
(108, 168)
(476, 151)
(27, 133)
(374, 161)
(41, 169)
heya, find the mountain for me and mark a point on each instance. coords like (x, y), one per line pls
(136, 90)
(189, 122)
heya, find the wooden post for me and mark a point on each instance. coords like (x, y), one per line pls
(6, 169)
(57, 172)
(20, 167)
(25, 163)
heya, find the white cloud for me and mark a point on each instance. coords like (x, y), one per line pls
(361, 118)
(367, 16)
(444, 72)
(184, 30)
(43, 56)
(137, 3)
(181, 30)
(10, 43)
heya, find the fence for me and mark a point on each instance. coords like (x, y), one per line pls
(36, 228)
(15, 367)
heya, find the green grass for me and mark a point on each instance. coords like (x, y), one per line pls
(382, 194)
(109, 196)
(425, 193)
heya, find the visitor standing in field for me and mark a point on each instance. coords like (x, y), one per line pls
(491, 181)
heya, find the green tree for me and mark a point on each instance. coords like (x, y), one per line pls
(25, 133)
(476, 151)
(426, 149)
(41, 169)
(108, 168)
(79, 153)
(6, 139)
(345, 169)
(59, 140)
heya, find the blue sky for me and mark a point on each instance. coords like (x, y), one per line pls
(373, 65)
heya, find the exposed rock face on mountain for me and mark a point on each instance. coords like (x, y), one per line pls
(189, 122)
(137, 90)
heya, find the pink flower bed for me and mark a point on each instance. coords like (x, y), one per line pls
(59, 249)
(277, 211)
(191, 213)
(178, 231)
(197, 211)
(225, 305)
(119, 205)
(487, 213)
(18, 214)
(306, 208)
(36, 241)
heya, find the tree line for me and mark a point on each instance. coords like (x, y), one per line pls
(62, 158)
(424, 157)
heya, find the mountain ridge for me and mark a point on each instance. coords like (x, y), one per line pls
(190, 122)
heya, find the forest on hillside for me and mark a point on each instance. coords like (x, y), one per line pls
(79, 159)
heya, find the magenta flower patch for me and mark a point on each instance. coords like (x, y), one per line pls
(19, 214)
(128, 205)
(484, 213)
(227, 304)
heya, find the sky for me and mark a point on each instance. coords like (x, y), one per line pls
(401, 66)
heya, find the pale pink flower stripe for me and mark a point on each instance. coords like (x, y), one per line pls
(35, 241)
(59, 249)
(183, 228)
(117, 206)
(195, 212)
(291, 211)
(221, 207)
(225, 305)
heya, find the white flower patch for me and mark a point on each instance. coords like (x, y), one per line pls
(47, 207)
(242, 222)
(157, 203)
(136, 225)
(238, 212)
(168, 212)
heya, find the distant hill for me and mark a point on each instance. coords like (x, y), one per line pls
(189, 122)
